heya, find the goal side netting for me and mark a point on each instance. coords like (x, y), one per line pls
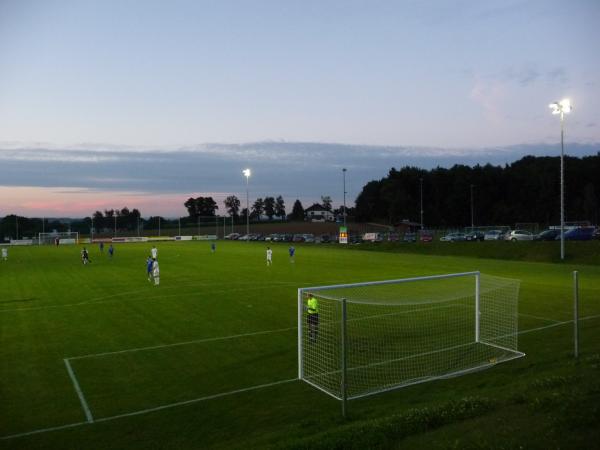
(373, 337)
(62, 238)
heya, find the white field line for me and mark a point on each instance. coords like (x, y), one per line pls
(149, 410)
(111, 298)
(195, 341)
(172, 405)
(195, 400)
(84, 405)
(540, 318)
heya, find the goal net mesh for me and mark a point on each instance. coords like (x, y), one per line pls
(402, 333)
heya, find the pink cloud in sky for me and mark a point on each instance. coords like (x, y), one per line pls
(76, 202)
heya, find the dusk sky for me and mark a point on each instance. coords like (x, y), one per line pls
(143, 104)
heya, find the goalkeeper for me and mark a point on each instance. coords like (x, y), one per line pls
(312, 318)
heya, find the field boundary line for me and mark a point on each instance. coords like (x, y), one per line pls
(84, 405)
(557, 324)
(112, 298)
(172, 405)
(195, 341)
(540, 318)
(195, 400)
(149, 410)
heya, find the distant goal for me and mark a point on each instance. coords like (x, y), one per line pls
(60, 238)
(378, 336)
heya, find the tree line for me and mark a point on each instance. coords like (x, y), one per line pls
(527, 190)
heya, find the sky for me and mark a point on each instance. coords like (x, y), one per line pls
(145, 103)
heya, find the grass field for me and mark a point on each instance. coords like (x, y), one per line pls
(96, 357)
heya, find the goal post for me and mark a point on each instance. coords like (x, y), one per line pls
(64, 237)
(373, 337)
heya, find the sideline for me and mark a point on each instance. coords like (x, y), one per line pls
(224, 394)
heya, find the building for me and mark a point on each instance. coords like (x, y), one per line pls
(317, 213)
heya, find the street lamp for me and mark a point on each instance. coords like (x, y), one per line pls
(344, 176)
(563, 107)
(421, 183)
(247, 173)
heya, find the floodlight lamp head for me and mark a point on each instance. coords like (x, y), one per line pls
(246, 173)
(565, 105)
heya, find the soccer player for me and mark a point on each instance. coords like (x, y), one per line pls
(292, 251)
(4, 253)
(154, 252)
(269, 256)
(111, 250)
(101, 247)
(312, 317)
(213, 247)
(85, 257)
(149, 264)
(155, 272)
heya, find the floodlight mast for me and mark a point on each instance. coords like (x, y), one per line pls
(247, 174)
(563, 107)
(344, 177)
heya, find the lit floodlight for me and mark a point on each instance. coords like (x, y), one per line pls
(562, 107)
(566, 105)
(246, 173)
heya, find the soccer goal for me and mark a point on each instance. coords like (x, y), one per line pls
(65, 237)
(373, 337)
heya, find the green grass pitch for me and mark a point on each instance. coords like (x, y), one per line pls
(208, 358)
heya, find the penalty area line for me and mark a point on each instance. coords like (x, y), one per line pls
(84, 405)
(149, 410)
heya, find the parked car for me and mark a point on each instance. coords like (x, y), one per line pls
(355, 239)
(325, 238)
(474, 236)
(372, 237)
(298, 238)
(579, 234)
(453, 237)
(393, 237)
(426, 236)
(410, 237)
(547, 235)
(309, 238)
(519, 235)
(232, 236)
(493, 235)
(245, 237)
(596, 234)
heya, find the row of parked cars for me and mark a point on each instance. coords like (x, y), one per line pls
(280, 237)
(573, 234)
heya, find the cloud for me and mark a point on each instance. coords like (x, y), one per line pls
(558, 75)
(523, 76)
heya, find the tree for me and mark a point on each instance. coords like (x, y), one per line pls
(98, 220)
(297, 211)
(200, 206)
(326, 200)
(269, 206)
(232, 203)
(192, 208)
(257, 208)
(279, 207)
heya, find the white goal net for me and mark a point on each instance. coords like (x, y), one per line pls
(373, 337)
(58, 238)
